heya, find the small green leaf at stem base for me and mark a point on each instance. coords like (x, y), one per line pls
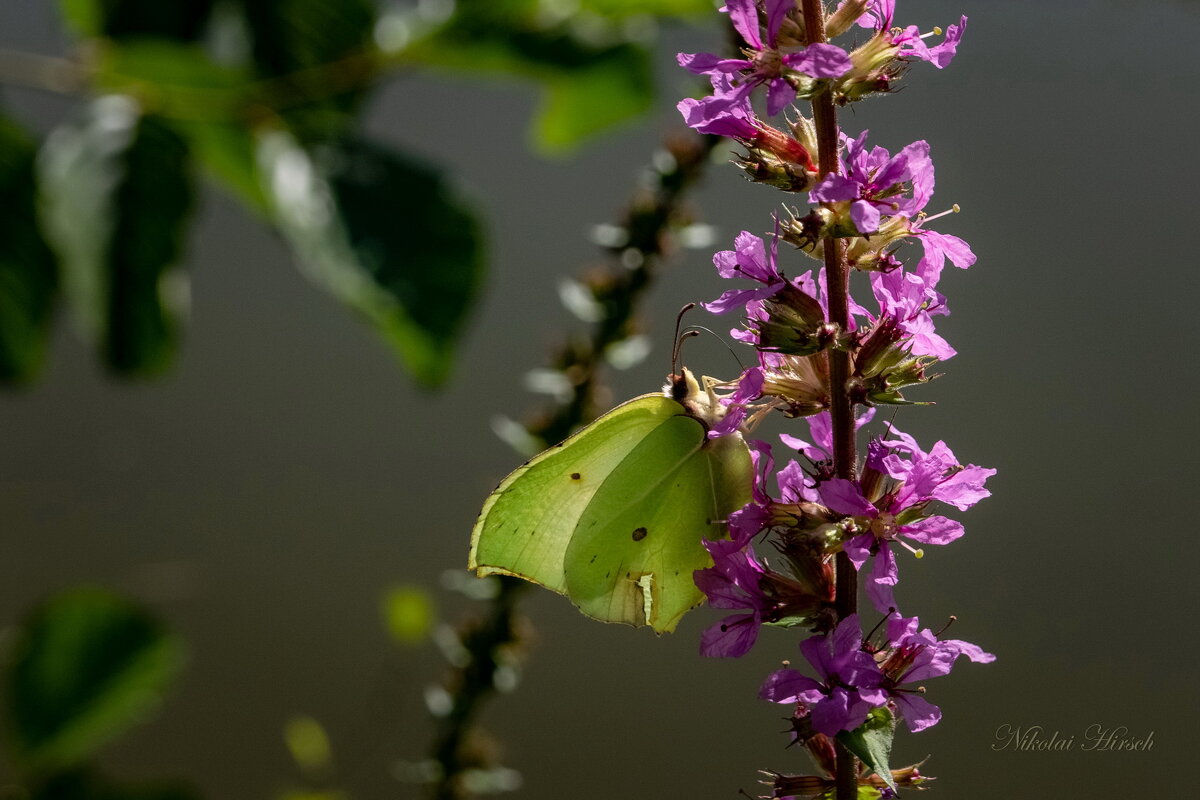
(872, 743)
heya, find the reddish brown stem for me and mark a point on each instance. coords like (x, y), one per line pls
(840, 407)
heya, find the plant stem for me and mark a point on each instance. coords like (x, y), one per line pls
(840, 408)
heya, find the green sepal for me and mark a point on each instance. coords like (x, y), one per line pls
(872, 743)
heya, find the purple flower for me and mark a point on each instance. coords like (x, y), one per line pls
(915, 655)
(912, 44)
(877, 184)
(750, 260)
(718, 114)
(938, 248)
(765, 64)
(906, 298)
(899, 513)
(849, 682)
(734, 581)
(909, 41)
(935, 475)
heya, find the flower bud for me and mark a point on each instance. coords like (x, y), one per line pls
(876, 67)
(795, 324)
(844, 18)
(880, 352)
(884, 387)
(777, 159)
(806, 232)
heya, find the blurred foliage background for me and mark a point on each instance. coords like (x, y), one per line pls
(272, 497)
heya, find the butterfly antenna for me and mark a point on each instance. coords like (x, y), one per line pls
(695, 329)
(679, 339)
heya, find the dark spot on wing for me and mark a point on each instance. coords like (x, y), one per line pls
(575, 476)
(592, 560)
(639, 534)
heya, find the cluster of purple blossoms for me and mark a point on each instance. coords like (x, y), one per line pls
(808, 510)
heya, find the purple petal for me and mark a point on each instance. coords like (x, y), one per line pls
(832, 714)
(844, 497)
(744, 16)
(858, 548)
(865, 217)
(964, 488)
(835, 188)
(732, 637)
(941, 55)
(918, 712)
(776, 12)
(820, 61)
(933, 530)
(786, 686)
(779, 94)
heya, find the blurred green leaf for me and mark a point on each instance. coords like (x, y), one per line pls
(28, 273)
(385, 234)
(213, 106)
(408, 613)
(308, 743)
(184, 20)
(658, 8)
(320, 56)
(615, 87)
(87, 665)
(116, 196)
(228, 152)
(590, 83)
(86, 785)
(872, 743)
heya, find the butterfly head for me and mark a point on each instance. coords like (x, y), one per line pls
(700, 401)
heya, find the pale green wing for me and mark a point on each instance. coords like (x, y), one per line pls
(527, 523)
(638, 542)
(614, 516)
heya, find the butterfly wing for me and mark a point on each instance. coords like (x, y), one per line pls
(613, 517)
(638, 542)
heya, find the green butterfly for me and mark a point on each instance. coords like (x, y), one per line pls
(614, 516)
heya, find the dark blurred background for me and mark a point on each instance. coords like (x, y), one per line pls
(264, 493)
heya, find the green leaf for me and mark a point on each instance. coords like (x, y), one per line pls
(611, 89)
(588, 85)
(84, 784)
(117, 193)
(87, 665)
(184, 20)
(872, 743)
(657, 8)
(387, 236)
(28, 272)
(212, 106)
(320, 57)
